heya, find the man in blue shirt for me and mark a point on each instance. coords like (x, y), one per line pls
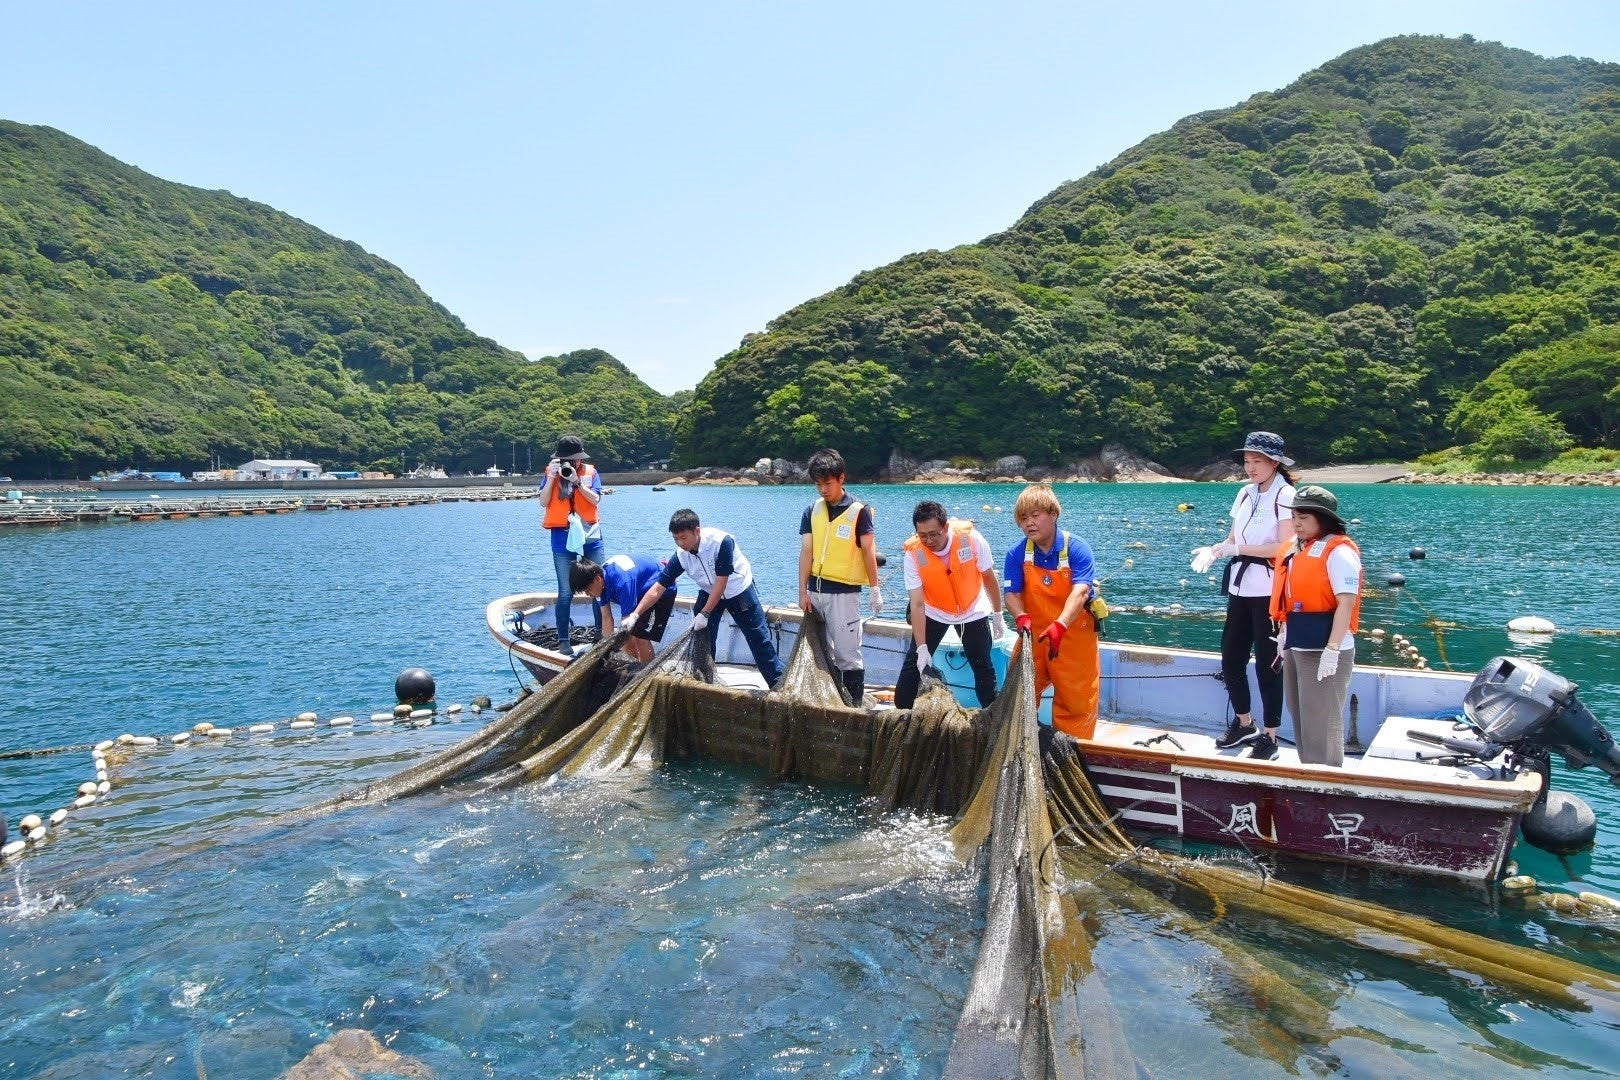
(622, 581)
(1050, 581)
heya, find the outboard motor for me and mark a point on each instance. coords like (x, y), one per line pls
(1523, 707)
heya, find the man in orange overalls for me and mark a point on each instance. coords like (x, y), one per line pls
(1049, 579)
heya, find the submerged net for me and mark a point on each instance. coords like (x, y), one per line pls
(1036, 1005)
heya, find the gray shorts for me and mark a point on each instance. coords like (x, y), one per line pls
(841, 611)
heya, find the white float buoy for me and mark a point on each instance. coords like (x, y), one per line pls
(103, 787)
(307, 716)
(417, 714)
(37, 835)
(341, 721)
(402, 710)
(300, 724)
(87, 787)
(203, 728)
(104, 745)
(476, 709)
(1377, 633)
(83, 801)
(421, 723)
(1531, 624)
(125, 739)
(382, 717)
(452, 709)
(58, 817)
(220, 733)
(13, 848)
(101, 774)
(180, 739)
(29, 823)
(143, 740)
(1129, 563)
(260, 729)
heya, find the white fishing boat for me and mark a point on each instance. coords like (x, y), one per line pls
(1431, 783)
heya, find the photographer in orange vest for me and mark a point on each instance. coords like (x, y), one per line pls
(571, 487)
(951, 578)
(1050, 579)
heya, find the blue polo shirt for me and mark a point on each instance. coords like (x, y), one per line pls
(626, 579)
(1082, 568)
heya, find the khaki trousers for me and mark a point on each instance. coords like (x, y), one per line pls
(1317, 707)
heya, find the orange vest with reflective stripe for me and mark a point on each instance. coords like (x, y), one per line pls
(1301, 583)
(951, 582)
(558, 508)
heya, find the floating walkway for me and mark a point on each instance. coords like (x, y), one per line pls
(70, 511)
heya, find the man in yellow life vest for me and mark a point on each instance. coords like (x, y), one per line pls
(951, 578)
(837, 556)
(1050, 579)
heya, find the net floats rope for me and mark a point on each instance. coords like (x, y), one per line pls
(34, 830)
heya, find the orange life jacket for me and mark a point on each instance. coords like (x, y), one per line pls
(951, 582)
(1301, 584)
(558, 508)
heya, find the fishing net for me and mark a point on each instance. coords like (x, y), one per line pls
(1055, 857)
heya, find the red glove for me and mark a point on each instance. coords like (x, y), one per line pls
(1024, 623)
(1053, 635)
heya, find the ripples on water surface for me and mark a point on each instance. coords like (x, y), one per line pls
(692, 922)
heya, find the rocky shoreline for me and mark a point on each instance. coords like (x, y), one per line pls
(1114, 465)
(1518, 479)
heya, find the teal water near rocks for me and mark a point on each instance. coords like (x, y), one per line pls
(697, 921)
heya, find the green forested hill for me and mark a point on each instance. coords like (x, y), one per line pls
(1411, 247)
(145, 323)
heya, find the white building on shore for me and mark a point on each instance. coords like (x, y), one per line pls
(278, 469)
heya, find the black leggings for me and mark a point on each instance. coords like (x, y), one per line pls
(1248, 627)
(975, 646)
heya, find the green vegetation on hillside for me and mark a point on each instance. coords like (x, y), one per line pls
(151, 324)
(1410, 247)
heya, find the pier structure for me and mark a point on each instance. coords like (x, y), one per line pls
(70, 510)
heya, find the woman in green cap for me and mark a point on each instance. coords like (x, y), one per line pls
(1316, 596)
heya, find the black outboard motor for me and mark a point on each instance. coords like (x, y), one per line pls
(1531, 711)
(1523, 707)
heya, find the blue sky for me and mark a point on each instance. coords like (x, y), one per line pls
(658, 180)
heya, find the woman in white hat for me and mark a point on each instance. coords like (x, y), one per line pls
(1261, 525)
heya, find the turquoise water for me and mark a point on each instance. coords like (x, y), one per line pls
(696, 921)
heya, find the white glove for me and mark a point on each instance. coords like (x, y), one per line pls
(1203, 559)
(998, 626)
(1224, 550)
(1328, 664)
(581, 649)
(924, 658)
(700, 622)
(877, 601)
(1282, 637)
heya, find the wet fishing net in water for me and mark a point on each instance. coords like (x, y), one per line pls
(1036, 1005)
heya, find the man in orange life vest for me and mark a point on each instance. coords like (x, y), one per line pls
(571, 487)
(1050, 578)
(951, 578)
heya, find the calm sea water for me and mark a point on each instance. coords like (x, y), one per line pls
(696, 921)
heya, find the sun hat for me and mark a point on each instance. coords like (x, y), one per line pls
(1320, 499)
(571, 447)
(1268, 443)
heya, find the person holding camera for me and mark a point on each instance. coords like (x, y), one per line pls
(572, 494)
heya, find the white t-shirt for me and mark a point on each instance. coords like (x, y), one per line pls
(1256, 517)
(983, 559)
(1344, 572)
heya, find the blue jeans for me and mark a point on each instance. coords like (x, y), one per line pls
(747, 612)
(563, 562)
